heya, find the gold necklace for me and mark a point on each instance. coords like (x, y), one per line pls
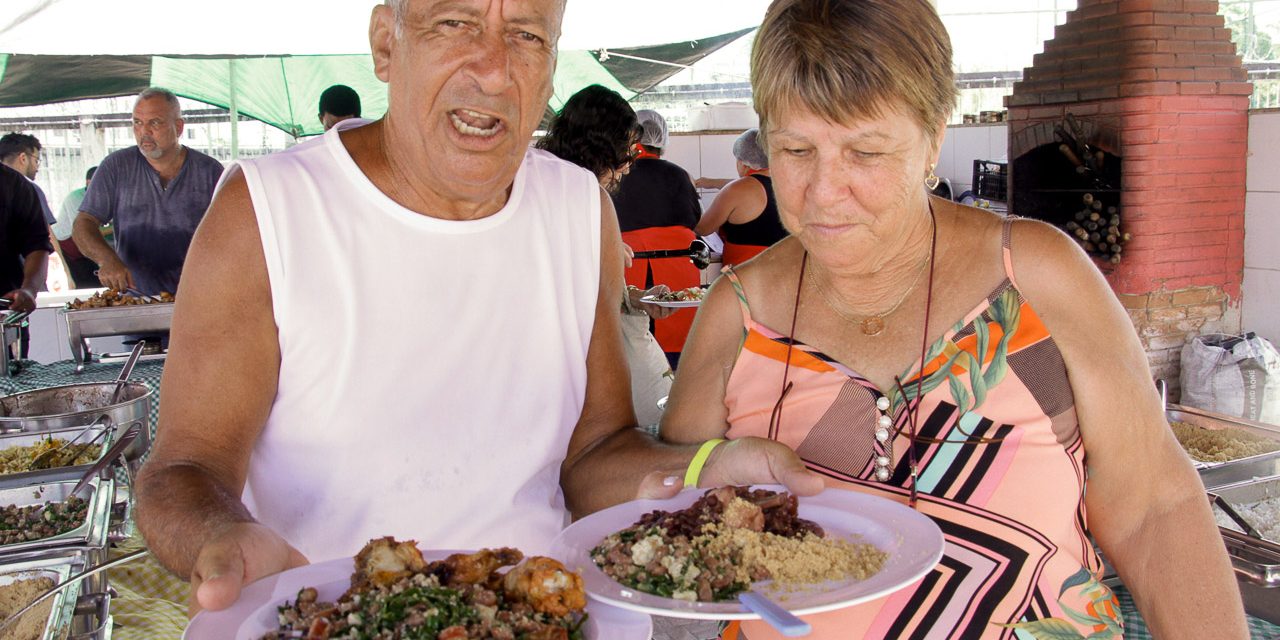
(873, 324)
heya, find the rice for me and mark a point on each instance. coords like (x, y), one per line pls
(1264, 515)
(1220, 445)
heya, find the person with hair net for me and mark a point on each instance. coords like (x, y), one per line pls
(745, 212)
(658, 208)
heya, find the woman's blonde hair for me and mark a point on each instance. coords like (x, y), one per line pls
(846, 60)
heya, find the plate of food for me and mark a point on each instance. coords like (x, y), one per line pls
(391, 587)
(690, 556)
(681, 299)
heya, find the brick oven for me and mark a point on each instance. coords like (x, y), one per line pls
(1143, 106)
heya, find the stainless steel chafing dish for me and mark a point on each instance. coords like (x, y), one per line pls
(77, 405)
(27, 439)
(91, 535)
(56, 566)
(113, 321)
(1257, 567)
(1211, 420)
(11, 323)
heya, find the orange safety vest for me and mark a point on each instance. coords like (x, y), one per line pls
(677, 273)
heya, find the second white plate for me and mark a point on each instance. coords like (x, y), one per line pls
(914, 544)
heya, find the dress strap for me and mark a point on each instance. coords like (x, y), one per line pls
(742, 296)
(1006, 243)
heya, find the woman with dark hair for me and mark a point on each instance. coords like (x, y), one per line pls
(597, 130)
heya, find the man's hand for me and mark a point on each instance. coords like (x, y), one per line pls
(114, 274)
(22, 300)
(741, 461)
(241, 554)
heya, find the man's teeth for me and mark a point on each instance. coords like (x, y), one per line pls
(490, 127)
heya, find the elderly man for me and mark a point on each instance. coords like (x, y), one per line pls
(24, 243)
(315, 400)
(154, 193)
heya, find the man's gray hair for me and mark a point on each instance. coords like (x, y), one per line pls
(161, 92)
(397, 10)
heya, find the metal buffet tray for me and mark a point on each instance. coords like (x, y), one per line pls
(1257, 568)
(27, 439)
(113, 321)
(10, 332)
(91, 535)
(1210, 420)
(57, 567)
(78, 405)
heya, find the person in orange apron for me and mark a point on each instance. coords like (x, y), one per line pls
(744, 213)
(658, 208)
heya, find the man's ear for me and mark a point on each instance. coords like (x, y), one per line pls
(382, 35)
(179, 125)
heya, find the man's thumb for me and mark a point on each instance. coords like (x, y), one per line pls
(220, 573)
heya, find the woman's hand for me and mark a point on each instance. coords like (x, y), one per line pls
(743, 461)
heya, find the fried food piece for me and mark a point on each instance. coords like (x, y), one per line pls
(546, 585)
(475, 568)
(383, 561)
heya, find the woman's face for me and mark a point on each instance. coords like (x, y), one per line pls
(849, 191)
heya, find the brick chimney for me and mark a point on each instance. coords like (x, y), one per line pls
(1155, 86)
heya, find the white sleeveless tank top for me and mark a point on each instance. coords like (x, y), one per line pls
(431, 371)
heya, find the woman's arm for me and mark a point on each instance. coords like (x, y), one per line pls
(742, 200)
(1146, 506)
(629, 463)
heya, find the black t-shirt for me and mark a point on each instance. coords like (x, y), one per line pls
(656, 193)
(765, 229)
(24, 228)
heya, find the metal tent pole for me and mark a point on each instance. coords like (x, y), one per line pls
(231, 106)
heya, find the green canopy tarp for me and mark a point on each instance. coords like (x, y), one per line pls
(283, 90)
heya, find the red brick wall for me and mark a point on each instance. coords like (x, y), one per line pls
(1158, 83)
(1165, 76)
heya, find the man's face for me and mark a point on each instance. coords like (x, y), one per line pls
(468, 83)
(30, 163)
(156, 128)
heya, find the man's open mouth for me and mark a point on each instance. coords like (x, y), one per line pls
(474, 123)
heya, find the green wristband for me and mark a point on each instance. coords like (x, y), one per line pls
(699, 460)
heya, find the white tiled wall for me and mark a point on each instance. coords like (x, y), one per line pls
(1260, 307)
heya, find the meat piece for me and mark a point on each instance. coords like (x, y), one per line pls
(385, 560)
(547, 586)
(475, 568)
(740, 514)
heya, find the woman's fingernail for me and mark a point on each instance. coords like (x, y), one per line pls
(670, 481)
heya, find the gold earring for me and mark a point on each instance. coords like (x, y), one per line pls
(932, 181)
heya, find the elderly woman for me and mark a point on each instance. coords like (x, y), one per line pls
(977, 368)
(744, 212)
(598, 131)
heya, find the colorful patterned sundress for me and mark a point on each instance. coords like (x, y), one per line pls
(1018, 562)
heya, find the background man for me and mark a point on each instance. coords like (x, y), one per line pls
(154, 193)
(319, 441)
(21, 152)
(81, 268)
(338, 103)
(24, 242)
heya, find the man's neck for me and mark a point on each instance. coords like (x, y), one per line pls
(168, 165)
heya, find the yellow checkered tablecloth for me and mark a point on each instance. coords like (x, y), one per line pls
(150, 603)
